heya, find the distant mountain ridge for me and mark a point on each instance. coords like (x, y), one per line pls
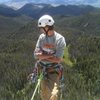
(7, 11)
(67, 2)
(36, 10)
(68, 26)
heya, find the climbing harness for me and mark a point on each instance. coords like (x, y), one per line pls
(41, 70)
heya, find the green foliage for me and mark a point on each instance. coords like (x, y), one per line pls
(67, 58)
(15, 65)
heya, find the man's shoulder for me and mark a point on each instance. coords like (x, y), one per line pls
(58, 36)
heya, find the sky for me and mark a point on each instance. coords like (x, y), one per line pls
(19, 3)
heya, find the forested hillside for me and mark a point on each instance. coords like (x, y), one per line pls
(11, 24)
(82, 79)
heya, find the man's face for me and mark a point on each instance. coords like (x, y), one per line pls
(43, 30)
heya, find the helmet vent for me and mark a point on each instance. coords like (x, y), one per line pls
(49, 20)
(39, 23)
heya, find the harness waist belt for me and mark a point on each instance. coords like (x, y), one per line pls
(47, 65)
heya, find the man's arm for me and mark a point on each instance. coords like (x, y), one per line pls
(50, 58)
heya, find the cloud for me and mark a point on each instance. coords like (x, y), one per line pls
(3, 1)
(69, 1)
(97, 4)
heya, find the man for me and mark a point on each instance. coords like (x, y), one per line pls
(49, 52)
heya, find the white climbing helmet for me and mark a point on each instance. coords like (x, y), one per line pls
(45, 20)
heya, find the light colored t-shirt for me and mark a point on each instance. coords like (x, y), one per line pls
(51, 45)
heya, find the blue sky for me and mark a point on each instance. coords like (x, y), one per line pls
(20, 2)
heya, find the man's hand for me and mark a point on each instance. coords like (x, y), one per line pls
(55, 59)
